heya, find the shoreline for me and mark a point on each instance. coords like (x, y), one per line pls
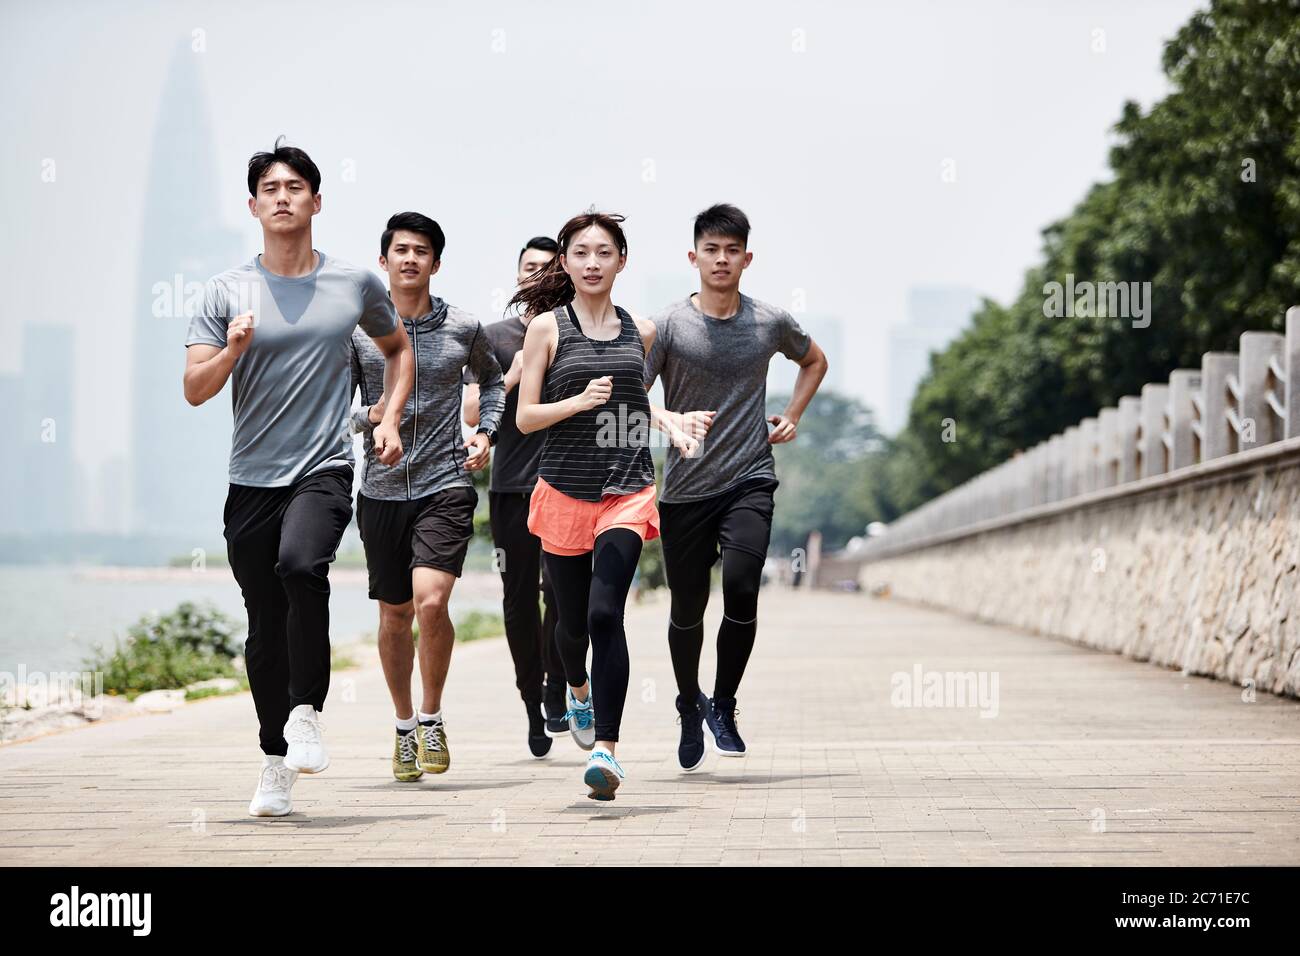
(65, 716)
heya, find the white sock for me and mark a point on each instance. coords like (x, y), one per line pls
(406, 724)
(271, 759)
(425, 718)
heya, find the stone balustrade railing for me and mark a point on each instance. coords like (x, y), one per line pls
(1234, 402)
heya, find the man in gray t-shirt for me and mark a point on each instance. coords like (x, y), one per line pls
(280, 328)
(720, 365)
(712, 351)
(291, 390)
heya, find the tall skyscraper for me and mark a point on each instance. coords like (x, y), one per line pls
(179, 454)
(935, 316)
(48, 500)
(12, 481)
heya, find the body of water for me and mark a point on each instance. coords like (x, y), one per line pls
(52, 616)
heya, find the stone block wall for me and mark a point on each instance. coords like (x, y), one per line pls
(1196, 571)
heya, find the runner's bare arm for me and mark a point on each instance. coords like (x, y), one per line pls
(812, 369)
(676, 425)
(469, 410)
(647, 330)
(531, 414)
(208, 366)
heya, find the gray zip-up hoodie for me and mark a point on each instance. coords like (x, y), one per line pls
(445, 341)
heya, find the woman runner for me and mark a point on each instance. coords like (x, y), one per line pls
(594, 502)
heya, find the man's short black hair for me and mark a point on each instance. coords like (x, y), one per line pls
(541, 243)
(414, 222)
(722, 220)
(292, 157)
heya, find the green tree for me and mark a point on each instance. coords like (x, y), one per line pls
(830, 474)
(1204, 204)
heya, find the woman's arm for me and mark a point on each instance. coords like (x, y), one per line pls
(531, 414)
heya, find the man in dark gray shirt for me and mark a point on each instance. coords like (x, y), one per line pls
(416, 517)
(278, 327)
(712, 350)
(529, 632)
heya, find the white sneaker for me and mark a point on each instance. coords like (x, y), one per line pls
(303, 734)
(273, 786)
(603, 774)
(582, 719)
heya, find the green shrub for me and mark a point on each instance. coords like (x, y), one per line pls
(198, 627)
(167, 651)
(478, 624)
(651, 566)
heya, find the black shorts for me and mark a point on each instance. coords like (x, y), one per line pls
(694, 532)
(428, 532)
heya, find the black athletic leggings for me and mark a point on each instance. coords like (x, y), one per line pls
(590, 593)
(742, 574)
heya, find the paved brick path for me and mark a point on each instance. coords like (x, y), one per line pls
(1091, 759)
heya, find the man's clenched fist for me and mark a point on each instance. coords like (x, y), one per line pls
(239, 334)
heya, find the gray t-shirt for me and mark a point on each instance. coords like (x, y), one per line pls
(292, 389)
(720, 365)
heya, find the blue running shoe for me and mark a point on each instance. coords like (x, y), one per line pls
(720, 718)
(582, 720)
(603, 775)
(690, 752)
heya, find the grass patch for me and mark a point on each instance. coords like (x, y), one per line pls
(480, 624)
(472, 626)
(201, 692)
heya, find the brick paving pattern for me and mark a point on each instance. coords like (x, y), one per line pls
(1091, 760)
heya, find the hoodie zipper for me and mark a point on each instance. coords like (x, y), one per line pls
(415, 423)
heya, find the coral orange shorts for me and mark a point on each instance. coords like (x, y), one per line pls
(569, 526)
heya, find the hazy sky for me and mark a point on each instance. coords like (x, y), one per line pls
(829, 123)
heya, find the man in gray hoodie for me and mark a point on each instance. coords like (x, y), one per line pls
(416, 517)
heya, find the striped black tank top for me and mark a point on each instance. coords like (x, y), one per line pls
(604, 450)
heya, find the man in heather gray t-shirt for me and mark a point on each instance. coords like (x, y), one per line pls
(720, 365)
(292, 389)
(719, 502)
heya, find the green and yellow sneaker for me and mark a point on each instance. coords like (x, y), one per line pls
(405, 766)
(434, 756)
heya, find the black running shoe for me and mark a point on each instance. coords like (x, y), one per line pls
(690, 752)
(556, 723)
(720, 718)
(539, 744)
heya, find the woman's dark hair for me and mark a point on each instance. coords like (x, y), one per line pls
(541, 243)
(723, 220)
(414, 222)
(550, 286)
(292, 157)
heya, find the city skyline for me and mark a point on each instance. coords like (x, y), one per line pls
(935, 316)
(847, 192)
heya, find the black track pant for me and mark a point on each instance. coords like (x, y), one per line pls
(280, 542)
(529, 632)
(590, 593)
